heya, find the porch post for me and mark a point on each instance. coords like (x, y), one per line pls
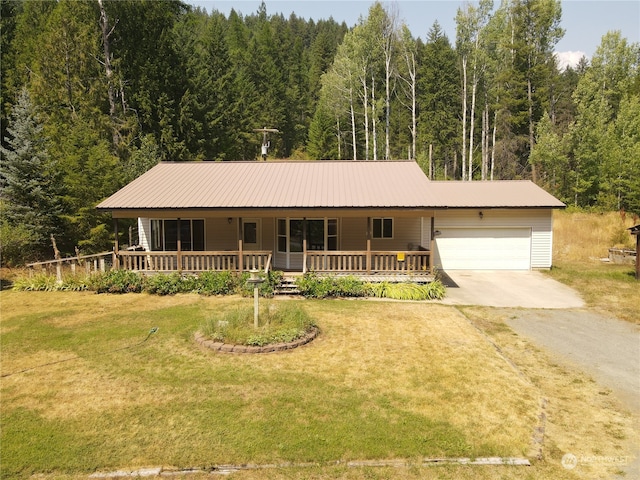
(179, 244)
(116, 245)
(368, 245)
(432, 243)
(240, 253)
(304, 245)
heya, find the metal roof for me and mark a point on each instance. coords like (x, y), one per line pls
(329, 184)
(494, 194)
(320, 184)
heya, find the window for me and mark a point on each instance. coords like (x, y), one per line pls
(332, 234)
(383, 228)
(282, 235)
(164, 235)
(250, 234)
(321, 234)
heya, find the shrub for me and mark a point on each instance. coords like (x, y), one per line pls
(165, 284)
(409, 291)
(117, 281)
(266, 288)
(16, 244)
(48, 283)
(278, 323)
(38, 283)
(313, 286)
(215, 283)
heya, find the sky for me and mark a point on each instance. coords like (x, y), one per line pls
(584, 21)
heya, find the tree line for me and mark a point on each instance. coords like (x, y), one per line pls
(95, 92)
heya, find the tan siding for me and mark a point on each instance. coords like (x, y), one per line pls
(220, 235)
(405, 231)
(268, 233)
(353, 234)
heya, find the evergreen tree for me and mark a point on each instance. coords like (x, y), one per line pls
(29, 179)
(439, 102)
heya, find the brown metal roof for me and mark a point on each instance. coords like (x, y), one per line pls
(321, 184)
(493, 194)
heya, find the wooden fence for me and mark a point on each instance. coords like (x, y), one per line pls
(97, 262)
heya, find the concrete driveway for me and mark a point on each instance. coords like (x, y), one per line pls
(526, 289)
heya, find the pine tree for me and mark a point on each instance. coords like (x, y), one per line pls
(439, 101)
(29, 180)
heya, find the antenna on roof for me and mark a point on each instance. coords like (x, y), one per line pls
(265, 143)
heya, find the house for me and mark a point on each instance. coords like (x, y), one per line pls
(330, 216)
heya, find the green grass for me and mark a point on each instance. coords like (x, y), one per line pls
(609, 289)
(83, 391)
(277, 323)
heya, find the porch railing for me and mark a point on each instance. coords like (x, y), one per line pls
(194, 261)
(414, 262)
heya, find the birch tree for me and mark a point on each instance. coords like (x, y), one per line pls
(471, 22)
(408, 76)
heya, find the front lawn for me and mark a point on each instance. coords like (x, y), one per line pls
(82, 390)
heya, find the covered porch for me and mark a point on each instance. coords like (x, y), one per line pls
(367, 262)
(345, 245)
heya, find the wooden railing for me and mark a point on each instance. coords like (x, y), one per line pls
(194, 261)
(97, 262)
(368, 262)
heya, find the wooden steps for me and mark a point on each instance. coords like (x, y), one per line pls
(287, 286)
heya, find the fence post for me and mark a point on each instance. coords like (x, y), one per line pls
(58, 272)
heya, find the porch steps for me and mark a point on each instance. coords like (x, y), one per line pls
(287, 286)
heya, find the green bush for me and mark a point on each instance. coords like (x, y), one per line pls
(117, 281)
(215, 283)
(408, 291)
(48, 283)
(313, 286)
(266, 288)
(38, 283)
(165, 284)
(279, 323)
(16, 244)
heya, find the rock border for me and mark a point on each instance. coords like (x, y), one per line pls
(274, 347)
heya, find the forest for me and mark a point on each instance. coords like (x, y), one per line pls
(95, 92)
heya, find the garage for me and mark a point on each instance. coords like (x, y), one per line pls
(498, 248)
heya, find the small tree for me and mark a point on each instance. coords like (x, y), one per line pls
(28, 179)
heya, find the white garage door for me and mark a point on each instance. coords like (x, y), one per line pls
(483, 249)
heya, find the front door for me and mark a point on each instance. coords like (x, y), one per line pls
(251, 234)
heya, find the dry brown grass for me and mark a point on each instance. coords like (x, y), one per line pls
(385, 362)
(580, 241)
(418, 348)
(583, 237)
(582, 417)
